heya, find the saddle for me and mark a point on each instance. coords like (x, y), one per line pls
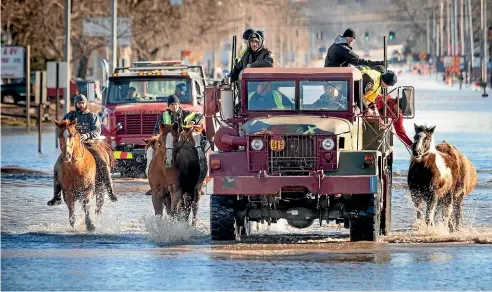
(103, 149)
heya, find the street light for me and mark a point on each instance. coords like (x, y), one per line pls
(366, 36)
(391, 35)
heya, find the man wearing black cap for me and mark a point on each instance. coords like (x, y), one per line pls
(340, 54)
(174, 113)
(90, 129)
(255, 56)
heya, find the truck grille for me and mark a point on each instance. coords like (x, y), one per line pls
(298, 157)
(139, 124)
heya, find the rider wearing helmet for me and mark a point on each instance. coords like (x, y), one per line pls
(89, 127)
(255, 56)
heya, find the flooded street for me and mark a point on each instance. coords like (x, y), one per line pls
(132, 250)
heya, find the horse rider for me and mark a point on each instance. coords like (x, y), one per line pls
(256, 56)
(90, 129)
(340, 53)
(266, 98)
(173, 114)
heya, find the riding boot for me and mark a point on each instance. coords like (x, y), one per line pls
(103, 172)
(56, 190)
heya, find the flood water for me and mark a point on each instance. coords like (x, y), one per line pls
(132, 250)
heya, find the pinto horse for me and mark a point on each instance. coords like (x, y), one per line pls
(441, 176)
(77, 173)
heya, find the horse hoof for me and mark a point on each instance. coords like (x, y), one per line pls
(54, 202)
(91, 227)
(113, 198)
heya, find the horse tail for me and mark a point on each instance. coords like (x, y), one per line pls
(188, 166)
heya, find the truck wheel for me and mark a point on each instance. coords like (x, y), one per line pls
(366, 225)
(222, 222)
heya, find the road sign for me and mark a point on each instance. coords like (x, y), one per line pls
(51, 75)
(422, 55)
(13, 63)
(101, 27)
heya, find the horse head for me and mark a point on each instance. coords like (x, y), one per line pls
(69, 138)
(423, 141)
(168, 136)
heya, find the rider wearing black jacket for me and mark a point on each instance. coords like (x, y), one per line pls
(340, 53)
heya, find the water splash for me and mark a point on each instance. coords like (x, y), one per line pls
(166, 230)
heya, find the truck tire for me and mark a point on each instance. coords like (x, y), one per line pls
(366, 226)
(222, 222)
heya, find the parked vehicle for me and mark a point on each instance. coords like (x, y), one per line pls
(127, 120)
(15, 91)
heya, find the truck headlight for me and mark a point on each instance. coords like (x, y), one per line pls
(328, 144)
(257, 144)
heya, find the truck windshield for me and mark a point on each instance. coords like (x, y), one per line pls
(324, 95)
(271, 95)
(142, 90)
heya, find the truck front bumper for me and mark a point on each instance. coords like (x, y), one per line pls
(270, 185)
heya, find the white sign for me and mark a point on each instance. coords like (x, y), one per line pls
(102, 27)
(51, 74)
(13, 62)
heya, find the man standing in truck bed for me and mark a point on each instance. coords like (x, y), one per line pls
(340, 53)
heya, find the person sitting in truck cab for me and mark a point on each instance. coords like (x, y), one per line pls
(90, 129)
(265, 98)
(132, 94)
(255, 56)
(331, 99)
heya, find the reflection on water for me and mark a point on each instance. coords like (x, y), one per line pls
(132, 249)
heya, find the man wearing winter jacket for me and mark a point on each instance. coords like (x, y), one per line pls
(340, 54)
(256, 56)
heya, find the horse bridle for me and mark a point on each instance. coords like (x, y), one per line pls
(81, 144)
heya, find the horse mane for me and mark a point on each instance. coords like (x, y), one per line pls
(188, 165)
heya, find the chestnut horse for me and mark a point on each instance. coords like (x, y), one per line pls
(162, 175)
(439, 175)
(77, 174)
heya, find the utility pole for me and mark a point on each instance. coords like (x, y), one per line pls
(472, 45)
(453, 28)
(485, 47)
(428, 32)
(114, 36)
(68, 56)
(455, 20)
(441, 27)
(448, 16)
(462, 28)
(434, 30)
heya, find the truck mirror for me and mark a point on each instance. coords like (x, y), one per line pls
(91, 93)
(211, 104)
(407, 102)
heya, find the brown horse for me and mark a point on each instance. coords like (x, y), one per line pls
(77, 174)
(162, 175)
(439, 175)
(195, 173)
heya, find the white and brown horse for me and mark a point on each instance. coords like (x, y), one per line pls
(441, 176)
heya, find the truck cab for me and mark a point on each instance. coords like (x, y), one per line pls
(292, 144)
(134, 99)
